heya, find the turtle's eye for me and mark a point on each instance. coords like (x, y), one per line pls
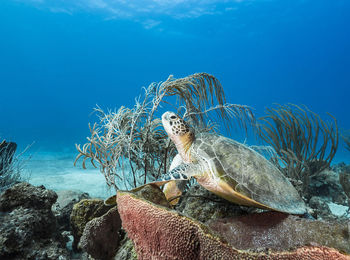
(173, 117)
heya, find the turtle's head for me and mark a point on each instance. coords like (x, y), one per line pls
(174, 125)
(178, 131)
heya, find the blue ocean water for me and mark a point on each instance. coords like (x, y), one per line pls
(58, 59)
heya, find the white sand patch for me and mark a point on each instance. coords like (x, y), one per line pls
(56, 171)
(338, 210)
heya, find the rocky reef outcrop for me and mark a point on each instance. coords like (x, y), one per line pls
(63, 207)
(326, 184)
(327, 193)
(28, 227)
(344, 180)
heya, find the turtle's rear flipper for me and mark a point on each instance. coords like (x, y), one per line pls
(170, 182)
(111, 201)
(173, 181)
(172, 192)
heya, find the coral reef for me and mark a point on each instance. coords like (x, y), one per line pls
(28, 227)
(132, 149)
(161, 233)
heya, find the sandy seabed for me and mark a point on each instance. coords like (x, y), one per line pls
(55, 170)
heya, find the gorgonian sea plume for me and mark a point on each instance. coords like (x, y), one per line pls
(130, 144)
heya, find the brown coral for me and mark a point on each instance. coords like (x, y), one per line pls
(84, 211)
(161, 233)
(100, 237)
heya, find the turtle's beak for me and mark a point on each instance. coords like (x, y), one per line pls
(166, 122)
(168, 115)
(165, 116)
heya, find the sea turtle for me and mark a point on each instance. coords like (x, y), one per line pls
(227, 168)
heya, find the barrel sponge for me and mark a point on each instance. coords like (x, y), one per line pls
(161, 233)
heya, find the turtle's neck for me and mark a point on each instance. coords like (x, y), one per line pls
(183, 144)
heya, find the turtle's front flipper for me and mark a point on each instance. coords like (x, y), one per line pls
(178, 179)
(179, 173)
(173, 189)
(170, 189)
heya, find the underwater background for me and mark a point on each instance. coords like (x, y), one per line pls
(58, 59)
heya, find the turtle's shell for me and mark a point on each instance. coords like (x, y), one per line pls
(244, 176)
